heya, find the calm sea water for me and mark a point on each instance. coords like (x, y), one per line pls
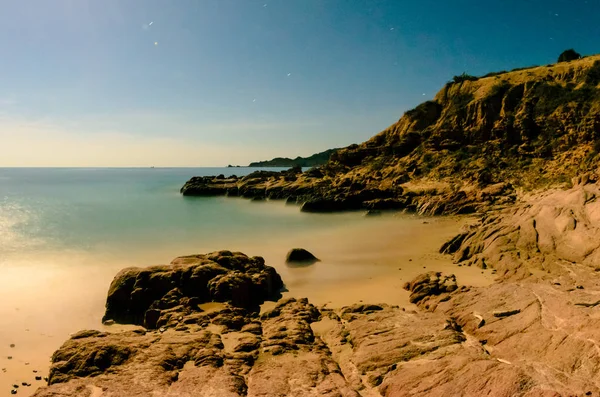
(127, 211)
(65, 233)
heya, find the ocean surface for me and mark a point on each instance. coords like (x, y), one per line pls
(128, 211)
(110, 218)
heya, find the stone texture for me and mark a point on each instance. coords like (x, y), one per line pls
(147, 296)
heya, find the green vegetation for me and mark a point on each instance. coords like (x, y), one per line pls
(463, 77)
(569, 55)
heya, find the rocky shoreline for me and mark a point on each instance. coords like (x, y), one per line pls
(315, 192)
(532, 333)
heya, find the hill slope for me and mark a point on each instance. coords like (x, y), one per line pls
(467, 150)
(529, 127)
(311, 161)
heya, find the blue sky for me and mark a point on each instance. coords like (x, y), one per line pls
(213, 82)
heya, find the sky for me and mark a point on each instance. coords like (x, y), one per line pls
(217, 82)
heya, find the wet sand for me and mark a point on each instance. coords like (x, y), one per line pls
(46, 297)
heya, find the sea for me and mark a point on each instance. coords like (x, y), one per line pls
(110, 218)
(126, 211)
(66, 232)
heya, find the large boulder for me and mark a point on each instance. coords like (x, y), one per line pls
(141, 295)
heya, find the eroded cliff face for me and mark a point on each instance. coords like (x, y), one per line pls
(530, 128)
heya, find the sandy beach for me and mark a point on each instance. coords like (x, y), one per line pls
(44, 299)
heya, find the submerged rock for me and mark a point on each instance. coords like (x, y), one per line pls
(300, 255)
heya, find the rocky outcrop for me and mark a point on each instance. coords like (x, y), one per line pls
(276, 354)
(151, 296)
(318, 193)
(509, 339)
(547, 235)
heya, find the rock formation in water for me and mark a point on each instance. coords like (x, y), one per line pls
(465, 151)
(300, 255)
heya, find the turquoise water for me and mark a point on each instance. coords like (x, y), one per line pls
(129, 210)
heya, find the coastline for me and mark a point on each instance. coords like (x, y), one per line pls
(52, 310)
(531, 332)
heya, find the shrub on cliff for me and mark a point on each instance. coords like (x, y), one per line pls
(463, 77)
(569, 55)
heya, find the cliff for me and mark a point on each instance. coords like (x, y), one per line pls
(467, 150)
(310, 161)
(530, 127)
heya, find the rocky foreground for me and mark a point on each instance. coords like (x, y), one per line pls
(535, 332)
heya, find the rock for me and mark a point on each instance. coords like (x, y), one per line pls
(206, 186)
(147, 296)
(296, 349)
(541, 232)
(452, 245)
(481, 321)
(326, 205)
(506, 313)
(430, 284)
(373, 213)
(285, 358)
(300, 255)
